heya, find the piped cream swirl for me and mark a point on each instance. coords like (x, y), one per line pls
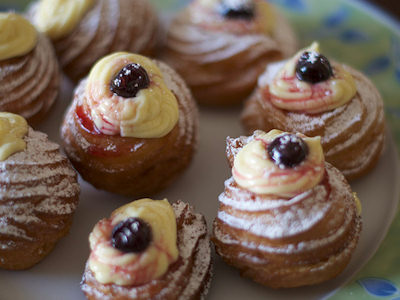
(256, 172)
(57, 18)
(110, 265)
(17, 36)
(12, 130)
(290, 93)
(152, 113)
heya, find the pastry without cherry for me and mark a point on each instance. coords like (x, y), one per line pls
(39, 193)
(29, 71)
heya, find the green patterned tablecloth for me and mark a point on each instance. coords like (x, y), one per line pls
(355, 33)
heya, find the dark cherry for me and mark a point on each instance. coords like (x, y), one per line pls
(287, 150)
(131, 235)
(313, 67)
(237, 9)
(130, 80)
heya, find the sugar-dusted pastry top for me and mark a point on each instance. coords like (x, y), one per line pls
(308, 83)
(17, 36)
(37, 186)
(13, 128)
(126, 94)
(57, 18)
(235, 16)
(287, 217)
(110, 264)
(266, 166)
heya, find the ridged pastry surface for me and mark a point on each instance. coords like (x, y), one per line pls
(287, 242)
(134, 166)
(352, 135)
(29, 84)
(188, 278)
(109, 26)
(221, 67)
(38, 195)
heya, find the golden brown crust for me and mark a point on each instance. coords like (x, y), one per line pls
(39, 193)
(30, 84)
(134, 166)
(109, 26)
(186, 279)
(221, 68)
(287, 242)
(352, 135)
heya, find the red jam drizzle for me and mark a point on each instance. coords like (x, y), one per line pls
(86, 121)
(111, 150)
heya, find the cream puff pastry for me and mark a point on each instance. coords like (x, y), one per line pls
(83, 31)
(311, 95)
(39, 193)
(132, 126)
(149, 249)
(286, 218)
(29, 71)
(221, 46)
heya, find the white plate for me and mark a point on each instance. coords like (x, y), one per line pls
(59, 274)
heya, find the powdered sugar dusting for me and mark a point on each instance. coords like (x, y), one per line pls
(36, 180)
(288, 218)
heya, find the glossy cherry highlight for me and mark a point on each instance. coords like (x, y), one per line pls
(130, 80)
(132, 235)
(313, 67)
(288, 151)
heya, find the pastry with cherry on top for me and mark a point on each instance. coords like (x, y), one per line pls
(149, 249)
(311, 95)
(132, 125)
(39, 193)
(221, 46)
(286, 218)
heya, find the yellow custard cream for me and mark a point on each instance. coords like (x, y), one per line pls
(57, 18)
(110, 265)
(358, 204)
(13, 128)
(152, 113)
(290, 93)
(17, 36)
(254, 170)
